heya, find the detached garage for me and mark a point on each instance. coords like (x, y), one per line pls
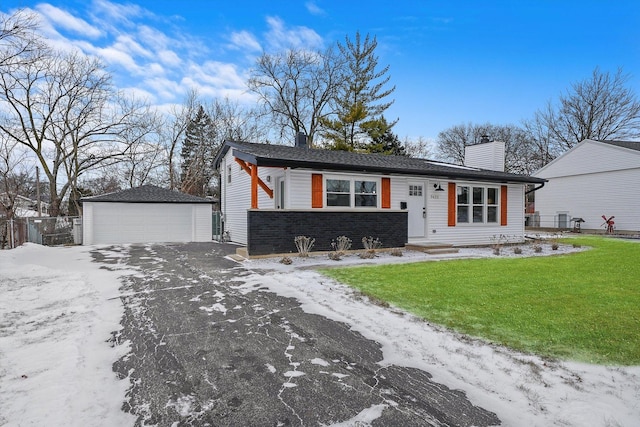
(146, 214)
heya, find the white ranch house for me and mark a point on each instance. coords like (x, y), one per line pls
(592, 179)
(272, 193)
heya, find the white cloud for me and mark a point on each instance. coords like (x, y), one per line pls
(244, 40)
(115, 56)
(279, 37)
(169, 57)
(129, 45)
(117, 13)
(67, 21)
(314, 9)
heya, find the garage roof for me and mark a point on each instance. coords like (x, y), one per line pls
(147, 194)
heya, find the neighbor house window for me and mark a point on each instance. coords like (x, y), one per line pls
(477, 204)
(351, 193)
(229, 174)
(338, 192)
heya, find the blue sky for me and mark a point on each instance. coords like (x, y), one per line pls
(452, 62)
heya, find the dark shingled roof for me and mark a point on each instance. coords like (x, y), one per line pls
(146, 194)
(633, 145)
(294, 157)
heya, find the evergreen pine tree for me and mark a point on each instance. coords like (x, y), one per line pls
(361, 97)
(198, 151)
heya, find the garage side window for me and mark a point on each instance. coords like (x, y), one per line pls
(229, 174)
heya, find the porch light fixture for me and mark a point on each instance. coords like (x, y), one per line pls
(438, 187)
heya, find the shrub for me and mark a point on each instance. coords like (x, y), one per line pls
(554, 246)
(396, 252)
(517, 250)
(537, 248)
(304, 245)
(335, 256)
(370, 243)
(286, 260)
(341, 244)
(368, 254)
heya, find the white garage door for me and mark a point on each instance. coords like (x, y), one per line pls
(142, 222)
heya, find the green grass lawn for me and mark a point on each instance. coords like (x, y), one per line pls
(583, 306)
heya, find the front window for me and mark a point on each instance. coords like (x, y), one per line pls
(365, 194)
(338, 192)
(351, 193)
(463, 204)
(477, 204)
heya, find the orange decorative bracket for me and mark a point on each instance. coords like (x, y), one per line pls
(256, 181)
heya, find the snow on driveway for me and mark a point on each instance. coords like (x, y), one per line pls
(57, 312)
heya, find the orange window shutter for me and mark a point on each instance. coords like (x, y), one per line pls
(451, 214)
(386, 193)
(503, 205)
(316, 190)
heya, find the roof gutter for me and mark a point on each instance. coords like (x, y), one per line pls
(535, 188)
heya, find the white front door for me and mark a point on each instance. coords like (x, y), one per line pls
(417, 207)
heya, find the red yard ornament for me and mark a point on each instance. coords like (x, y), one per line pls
(608, 223)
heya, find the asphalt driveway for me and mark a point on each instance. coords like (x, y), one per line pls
(207, 351)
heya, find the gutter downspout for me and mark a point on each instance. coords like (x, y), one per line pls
(535, 188)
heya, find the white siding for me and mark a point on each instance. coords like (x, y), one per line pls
(118, 223)
(299, 189)
(235, 200)
(202, 223)
(236, 196)
(590, 196)
(591, 180)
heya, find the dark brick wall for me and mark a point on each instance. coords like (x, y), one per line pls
(274, 231)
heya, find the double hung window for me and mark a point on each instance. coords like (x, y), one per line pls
(351, 193)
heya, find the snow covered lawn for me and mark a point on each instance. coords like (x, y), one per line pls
(57, 311)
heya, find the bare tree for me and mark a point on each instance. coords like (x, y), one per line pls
(599, 108)
(297, 88)
(17, 38)
(63, 108)
(419, 147)
(15, 177)
(451, 144)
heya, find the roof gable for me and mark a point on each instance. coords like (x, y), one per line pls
(591, 156)
(146, 194)
(269, 155)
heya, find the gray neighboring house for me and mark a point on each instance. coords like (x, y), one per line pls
(146, 214)
(592, 179)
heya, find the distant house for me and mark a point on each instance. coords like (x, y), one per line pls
(146, 214)
(592, 180)
(272, 193)
(24, 206)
